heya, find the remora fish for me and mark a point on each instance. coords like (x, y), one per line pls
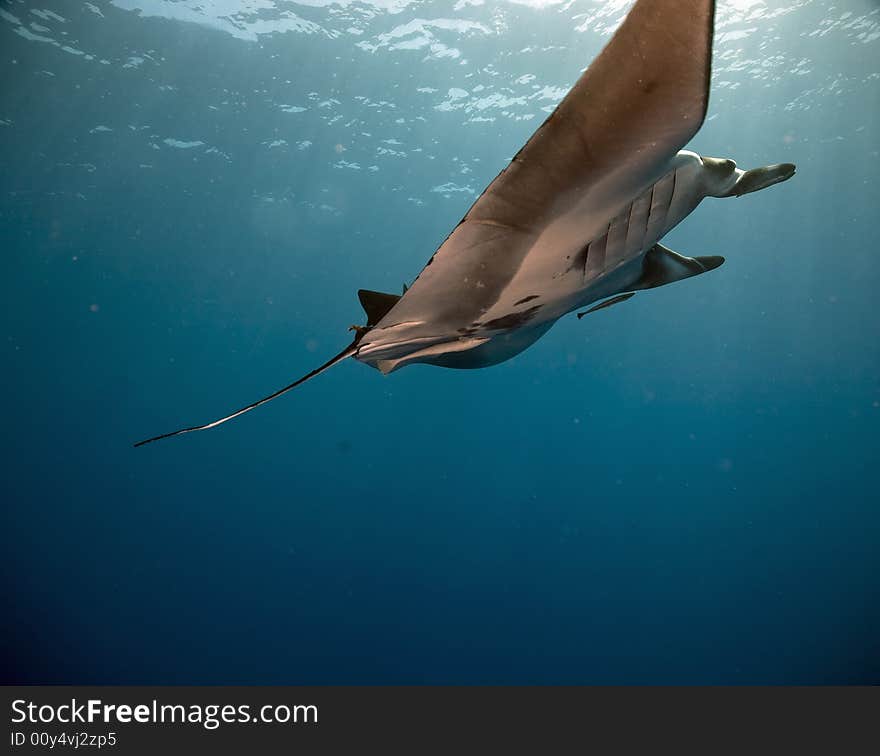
(576, 216)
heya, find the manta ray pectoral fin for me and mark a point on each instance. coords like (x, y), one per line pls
(607, 303)
(662, 266)
(377, 304)
(344, 354)
(760, 178)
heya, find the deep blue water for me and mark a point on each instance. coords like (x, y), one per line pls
(681, 489)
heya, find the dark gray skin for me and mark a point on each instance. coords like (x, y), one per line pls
(578, 214)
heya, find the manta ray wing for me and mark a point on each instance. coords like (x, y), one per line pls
(614, 134)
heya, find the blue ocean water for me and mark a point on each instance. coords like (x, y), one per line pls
(680, 489)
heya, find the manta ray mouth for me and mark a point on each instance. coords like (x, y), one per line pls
(429, 354)
(389, 356)
(379, 350)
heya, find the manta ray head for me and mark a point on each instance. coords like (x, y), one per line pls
(391, 347)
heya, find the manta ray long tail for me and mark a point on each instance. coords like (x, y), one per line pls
(344, 354)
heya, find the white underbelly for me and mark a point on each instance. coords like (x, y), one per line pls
(571, 259)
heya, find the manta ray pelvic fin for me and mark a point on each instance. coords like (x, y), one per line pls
(662, 266)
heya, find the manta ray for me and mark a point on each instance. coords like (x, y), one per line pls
(575, 218)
